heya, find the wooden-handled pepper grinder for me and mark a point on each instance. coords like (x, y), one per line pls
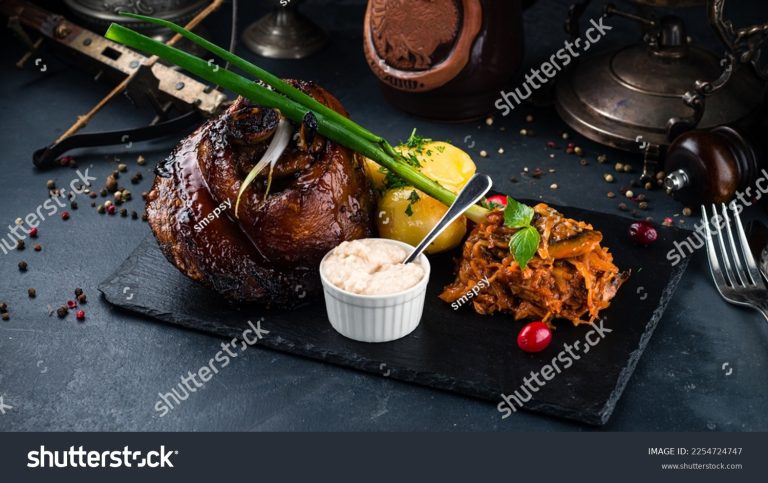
(713, 165)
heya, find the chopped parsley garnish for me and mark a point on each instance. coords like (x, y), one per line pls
(416, 142)
(412, 198)
(410, 151)
(490, 205)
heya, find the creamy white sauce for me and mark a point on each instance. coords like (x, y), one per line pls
(371, 267)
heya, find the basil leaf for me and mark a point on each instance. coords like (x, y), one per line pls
(516, 214)
(523, 245)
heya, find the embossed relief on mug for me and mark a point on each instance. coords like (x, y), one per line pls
(420, 45)
(414, 35)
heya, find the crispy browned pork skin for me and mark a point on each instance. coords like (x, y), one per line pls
(571, 276)
(270, 252)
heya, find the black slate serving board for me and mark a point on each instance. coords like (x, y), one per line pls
(454, 350)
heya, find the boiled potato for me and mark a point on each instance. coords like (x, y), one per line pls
(443, 162)
(394, 222)
(402, 218)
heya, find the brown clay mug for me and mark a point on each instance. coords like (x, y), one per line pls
(443, 59)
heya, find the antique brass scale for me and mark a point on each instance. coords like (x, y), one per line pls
(144, 80)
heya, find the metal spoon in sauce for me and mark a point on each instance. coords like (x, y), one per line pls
(472, 192)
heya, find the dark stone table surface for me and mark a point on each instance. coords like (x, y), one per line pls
(704, 369)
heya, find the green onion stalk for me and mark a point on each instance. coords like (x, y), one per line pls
(292, 103)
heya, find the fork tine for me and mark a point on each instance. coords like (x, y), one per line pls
(740, 272)
(714, 264)
(754, 273)
(726, 261)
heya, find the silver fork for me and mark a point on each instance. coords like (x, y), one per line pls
(740, 281)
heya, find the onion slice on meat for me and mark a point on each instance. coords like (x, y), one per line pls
(276, 147)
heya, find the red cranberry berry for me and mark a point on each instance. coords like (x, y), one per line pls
(497, 200)
(643, 233)
(534, 337)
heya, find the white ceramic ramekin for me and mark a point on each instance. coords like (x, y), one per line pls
(376, 318)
